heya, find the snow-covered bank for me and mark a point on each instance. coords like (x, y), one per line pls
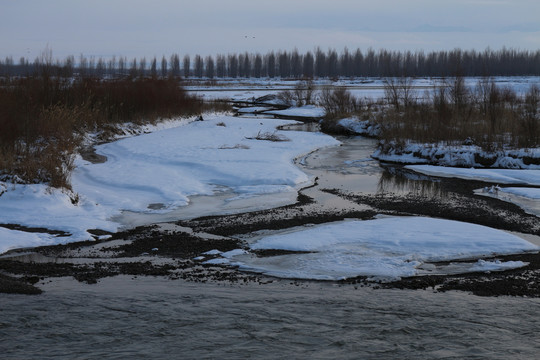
(308, 111)
(499, 176)
(386, 247)
(360, 127)
(531, 193)
(157, 172)
(460, 155)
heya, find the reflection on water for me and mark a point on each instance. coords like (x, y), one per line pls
(310, 126)
(350, 168)
(395, 180)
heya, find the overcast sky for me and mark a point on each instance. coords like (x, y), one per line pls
(136, 28)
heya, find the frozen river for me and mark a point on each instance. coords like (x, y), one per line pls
(152, 317)
(147, 317)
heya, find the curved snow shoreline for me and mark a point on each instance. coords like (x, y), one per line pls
(157, 172)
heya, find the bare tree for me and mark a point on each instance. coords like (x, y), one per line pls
(163, 67)
(187, 66)
(133, 68)
(531, 117)
(153, 68)
(175, 65)
(122, 62)
(199, 66)
(69, 65)
(100, 68)
(320, 63)
(247, 65)
(221, 66)
(459, 93)
(399, 92)
(296, 64)
(210, 67)
(307, 67)
(284, 65)
(271, 65)
(257, 66)
(83, 65)
(111, 67)
(233, 65)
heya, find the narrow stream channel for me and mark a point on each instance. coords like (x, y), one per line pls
(348, 167)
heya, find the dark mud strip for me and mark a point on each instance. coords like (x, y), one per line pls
(517, 282)
(89, 154)
(14, 285)
(146, 251)
(34, 229)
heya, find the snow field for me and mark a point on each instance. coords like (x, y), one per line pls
(159, 171)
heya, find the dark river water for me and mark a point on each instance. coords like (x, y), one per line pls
(156, 318)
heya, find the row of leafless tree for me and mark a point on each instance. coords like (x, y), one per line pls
(488, 115)
(290, 64)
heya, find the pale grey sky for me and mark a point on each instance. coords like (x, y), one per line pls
(136, 28)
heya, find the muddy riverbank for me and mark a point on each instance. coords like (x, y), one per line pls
(179, 250)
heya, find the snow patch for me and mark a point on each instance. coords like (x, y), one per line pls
(500, 176)
(384, 248)
(308, 111)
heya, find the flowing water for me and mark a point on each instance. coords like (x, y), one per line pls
(155, 318)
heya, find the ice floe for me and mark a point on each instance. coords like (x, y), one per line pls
(386, 248)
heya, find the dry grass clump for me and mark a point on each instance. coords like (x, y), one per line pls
(338, 103)
(43, 118)
(269, 136)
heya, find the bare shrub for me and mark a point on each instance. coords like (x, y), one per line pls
(530, 118)
(300, 96)
(492, 118)
(303, 92)
(458, 92)
(286, 97)
(269, 136)
(399, 91)
(338, 102)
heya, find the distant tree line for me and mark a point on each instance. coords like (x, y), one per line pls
(291, 64)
